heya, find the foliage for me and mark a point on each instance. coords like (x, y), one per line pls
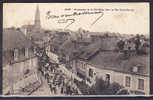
(121, 44)
(101, 87)
(104, 88)
(137, 43)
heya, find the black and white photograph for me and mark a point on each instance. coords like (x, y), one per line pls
(76, 49)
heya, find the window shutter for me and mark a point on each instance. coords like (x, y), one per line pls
(26, 52)
(16, 54)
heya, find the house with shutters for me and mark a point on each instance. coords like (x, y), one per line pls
(99, 59)
(18, 57)
(132, 73)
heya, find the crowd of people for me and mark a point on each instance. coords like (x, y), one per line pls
(58, 82)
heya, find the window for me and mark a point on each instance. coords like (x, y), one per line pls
(127, 81)
(16, 54)
(90, 72)
(23, 51)
(141, 84)
(26, 52)
(12, 54)
(107, 77)
(33, 49)
(67, 58)
(82, 64)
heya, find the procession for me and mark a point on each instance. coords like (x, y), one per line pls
(58, 82)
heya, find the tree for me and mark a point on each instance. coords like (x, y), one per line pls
(114, 88)
(137, 43)
(106, 35)
(121, 44)
(102, 88)
(144, 50)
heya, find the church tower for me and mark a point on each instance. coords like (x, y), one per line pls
(37, 18)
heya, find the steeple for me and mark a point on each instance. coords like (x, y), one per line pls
(37, 18)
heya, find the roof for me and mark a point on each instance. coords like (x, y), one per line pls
(109, 43)
(29, 27)
(68, 47)
(63, 33)
(90, 50)
(13, 38)
(84, 40)
(35, 33)
(74, 35)
(96, 33)
(38, 34)
(57, 40)
(84, 52)
(112, 61)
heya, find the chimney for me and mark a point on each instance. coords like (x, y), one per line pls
(25, 32)
(135, 69)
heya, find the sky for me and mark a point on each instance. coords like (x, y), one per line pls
(135, 21)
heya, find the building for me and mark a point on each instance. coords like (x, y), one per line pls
(59, 38)
(99, 59)
(29, 30)
(131, 73)
(19, 60)
(35, 32)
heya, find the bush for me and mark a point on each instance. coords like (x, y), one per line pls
(104, 88)
(120, 45)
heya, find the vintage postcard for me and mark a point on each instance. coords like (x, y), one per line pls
(73, 49)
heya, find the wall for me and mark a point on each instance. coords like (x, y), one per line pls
(117, 77)
(120, 78)
(9, 58)
(14, 72)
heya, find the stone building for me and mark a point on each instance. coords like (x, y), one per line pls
(94, 61)
(35, 32)
(18, 58)
(132, 73)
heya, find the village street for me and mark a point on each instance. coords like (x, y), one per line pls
(65, 71)
(43, 90)
(46, 90)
